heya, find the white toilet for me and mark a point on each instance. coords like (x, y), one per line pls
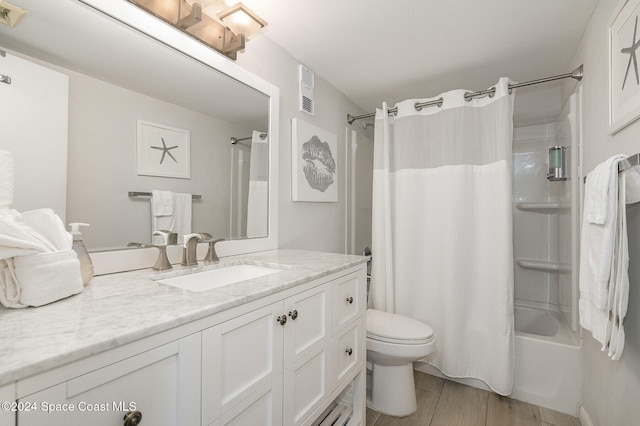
(394, 342)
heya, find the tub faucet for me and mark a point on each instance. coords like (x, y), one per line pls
(189, 249)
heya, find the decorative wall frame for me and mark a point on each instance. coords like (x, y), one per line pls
(624, 65)
(163, 151)
(314, 165)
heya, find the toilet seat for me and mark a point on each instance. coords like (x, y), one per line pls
(393, 328)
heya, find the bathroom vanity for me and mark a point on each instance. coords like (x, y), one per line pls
(281, 349)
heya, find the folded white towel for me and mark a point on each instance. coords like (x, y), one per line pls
(161, 203)
(179, 221)
(7, 179)
(48, 227)
(16, 239)
(597, 190)
(37, 264)
(46, 277)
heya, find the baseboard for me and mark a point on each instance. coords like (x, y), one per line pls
(585, 418)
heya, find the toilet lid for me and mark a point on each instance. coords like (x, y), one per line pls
(395, 328)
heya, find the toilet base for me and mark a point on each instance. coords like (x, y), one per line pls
(393, 390)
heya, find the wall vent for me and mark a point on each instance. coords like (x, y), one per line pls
(307, 78)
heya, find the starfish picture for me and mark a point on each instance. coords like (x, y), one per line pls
(631, 50)
(165, 150)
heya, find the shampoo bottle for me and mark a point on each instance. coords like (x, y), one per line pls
(86, 267)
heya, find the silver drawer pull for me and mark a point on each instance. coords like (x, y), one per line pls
(282, 319)
(349, 300)
(349, 351)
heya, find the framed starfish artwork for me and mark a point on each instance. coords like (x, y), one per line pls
(624, 66)
(163, 151)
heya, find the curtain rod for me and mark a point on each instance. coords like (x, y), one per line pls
(236, 140)
(575, 74)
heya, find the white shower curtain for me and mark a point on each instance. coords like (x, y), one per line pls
(258, 197)
(442, 229)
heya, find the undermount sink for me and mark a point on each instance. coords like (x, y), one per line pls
(219, 277)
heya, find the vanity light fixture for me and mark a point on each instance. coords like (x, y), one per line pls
(10, 14)
(224, 30)
(242, 20)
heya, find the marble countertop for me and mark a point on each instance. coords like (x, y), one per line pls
(121, 308)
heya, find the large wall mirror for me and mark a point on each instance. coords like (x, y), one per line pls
(136, 84)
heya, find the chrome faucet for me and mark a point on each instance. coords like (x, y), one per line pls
(211, 256)
(162, 263)
(190, 248)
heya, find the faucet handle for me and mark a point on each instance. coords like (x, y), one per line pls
(162, 263)
(212, 256)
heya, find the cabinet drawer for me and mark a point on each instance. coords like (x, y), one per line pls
(163, 384)
(346, 301)
(348, 350)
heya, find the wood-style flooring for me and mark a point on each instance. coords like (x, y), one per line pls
(446, 403)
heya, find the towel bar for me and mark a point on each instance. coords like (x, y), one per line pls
(148, 194)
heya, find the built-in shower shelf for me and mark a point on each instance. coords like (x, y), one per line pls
(543, 265)
(541, 207)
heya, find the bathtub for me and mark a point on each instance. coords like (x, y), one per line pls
(547, 368)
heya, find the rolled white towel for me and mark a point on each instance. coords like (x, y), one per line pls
(7, 179)
(46, 277)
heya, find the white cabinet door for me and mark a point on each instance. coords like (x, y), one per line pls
(309, 355)
(262, 408)
(309, 322)
(163, 384)
(8, 395)
(240, 357)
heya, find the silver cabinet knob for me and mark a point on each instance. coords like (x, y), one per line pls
(349, 351)
(349, 300)
(132, 418)
(282, 319)
(293, 314)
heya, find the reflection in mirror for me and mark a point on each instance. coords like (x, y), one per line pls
(119, 78)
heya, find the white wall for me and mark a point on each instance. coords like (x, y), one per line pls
(310, 226)
(611, 389)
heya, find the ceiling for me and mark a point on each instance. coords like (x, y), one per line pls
(381, 50)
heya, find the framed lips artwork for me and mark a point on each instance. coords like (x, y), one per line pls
(314, 165)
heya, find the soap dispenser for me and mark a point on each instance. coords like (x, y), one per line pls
(86, 267)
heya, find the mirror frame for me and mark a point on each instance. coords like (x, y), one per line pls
(134, 17)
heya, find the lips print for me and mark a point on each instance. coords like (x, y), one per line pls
(319, 166)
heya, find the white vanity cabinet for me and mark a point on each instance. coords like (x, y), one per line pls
(284, 363)
(283, 359)
(162, 385)
(9, 408)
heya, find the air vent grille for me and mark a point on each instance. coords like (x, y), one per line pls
(307, 105)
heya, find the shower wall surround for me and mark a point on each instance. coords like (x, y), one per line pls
(542, 221)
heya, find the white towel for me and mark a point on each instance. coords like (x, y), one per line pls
(16, 239)
(37, 264)
(7, 180)
(179, 221)
(604, 318)
(597, 189)
(47, 277)
(161, 203)
(598, 238)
